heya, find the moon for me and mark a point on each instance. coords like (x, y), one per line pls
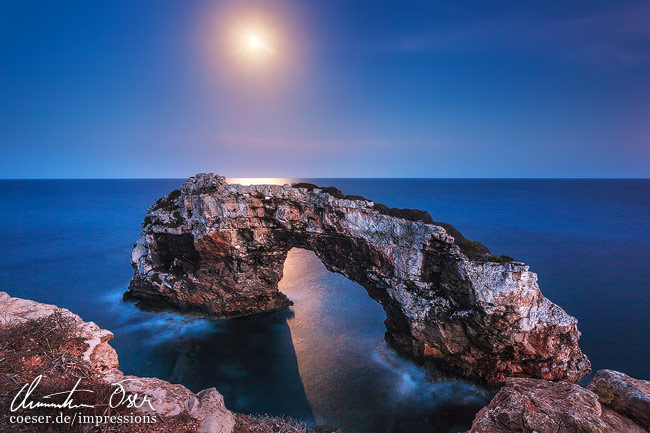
(255, 44)
(253, 41)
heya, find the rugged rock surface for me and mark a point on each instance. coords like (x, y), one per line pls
(628, 396)
(167, 399)
(219, 248)
(99, 353)
(531, 405)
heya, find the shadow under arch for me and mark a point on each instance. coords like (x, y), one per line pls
(250, 360)
(351, 377)
(322, 361)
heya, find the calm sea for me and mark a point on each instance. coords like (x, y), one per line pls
(324, 361)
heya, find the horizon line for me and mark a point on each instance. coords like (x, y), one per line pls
(336, 177)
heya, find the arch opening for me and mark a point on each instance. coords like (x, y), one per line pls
(220, 249)
(352, 378)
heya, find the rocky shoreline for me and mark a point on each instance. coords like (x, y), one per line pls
(168, 400)
(612, 402)
(219, 249)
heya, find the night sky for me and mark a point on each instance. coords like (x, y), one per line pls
(352, 89)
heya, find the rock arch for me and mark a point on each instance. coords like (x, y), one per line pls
(219, 249)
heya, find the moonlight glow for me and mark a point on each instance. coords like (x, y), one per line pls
(253, 41)
(251, 51)
(254, 44)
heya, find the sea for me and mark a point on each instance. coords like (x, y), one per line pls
(324, 361)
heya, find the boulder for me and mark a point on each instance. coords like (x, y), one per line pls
(625, 395)
(540, 406)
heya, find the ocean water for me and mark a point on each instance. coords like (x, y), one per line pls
(68, 242)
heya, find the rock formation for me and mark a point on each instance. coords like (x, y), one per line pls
(628, 396)
(532, 405)
(167, 399)
(617, 404)
(219, 249)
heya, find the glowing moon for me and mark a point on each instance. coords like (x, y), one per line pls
(251, 45)
(253, 41)
(254, 44)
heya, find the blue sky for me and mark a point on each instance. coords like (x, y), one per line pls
(354, 89)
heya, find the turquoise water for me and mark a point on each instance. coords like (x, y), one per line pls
(68, 243)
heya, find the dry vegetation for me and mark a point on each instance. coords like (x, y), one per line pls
(269, 424)
(49, 347)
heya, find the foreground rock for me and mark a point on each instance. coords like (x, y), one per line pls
(531, 405)
(168, 400)
(628, 396)
(219, 249)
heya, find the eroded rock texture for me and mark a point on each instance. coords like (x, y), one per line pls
(167, 399)
(532, 405)
(219, 248)
(626, 395)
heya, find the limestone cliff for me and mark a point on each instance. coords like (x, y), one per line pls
(219, 248)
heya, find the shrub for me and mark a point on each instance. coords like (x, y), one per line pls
(500, 259)
(269, 424)
(167, 203)
(49, 347)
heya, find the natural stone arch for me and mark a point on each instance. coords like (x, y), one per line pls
(220, 248)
